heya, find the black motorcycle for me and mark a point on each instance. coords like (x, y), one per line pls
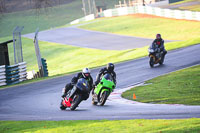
(155, 57)
(78, 93)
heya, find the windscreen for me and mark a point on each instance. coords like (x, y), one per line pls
(83, 84)
(108, 77)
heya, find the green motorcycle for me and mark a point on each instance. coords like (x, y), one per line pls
(103, 90)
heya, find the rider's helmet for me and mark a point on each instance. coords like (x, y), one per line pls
(86, 72)
(158, 36)
(110, 67)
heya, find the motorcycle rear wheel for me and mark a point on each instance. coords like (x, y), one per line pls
(76, 101)
(161, 61)
(103, 98)
(93, 101)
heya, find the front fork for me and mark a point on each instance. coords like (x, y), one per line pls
(154, 58)
(68, 100)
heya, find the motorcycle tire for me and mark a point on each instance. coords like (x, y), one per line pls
(151, 62)
(103, 98)
(76, 101)
(161, 61)
(93, 101)
(62, 107)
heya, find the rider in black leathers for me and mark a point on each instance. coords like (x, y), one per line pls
(84, 74)
(158, 45)
(108, 69)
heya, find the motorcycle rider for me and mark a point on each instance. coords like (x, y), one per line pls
(158, 45)
(108, 69)
(84, 74)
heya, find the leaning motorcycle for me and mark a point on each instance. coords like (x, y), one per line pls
(103, 90)
(155, 57)
(78, 93)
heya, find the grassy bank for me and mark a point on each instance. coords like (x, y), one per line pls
(180, 87)
(147, 26)
(99, 126)
(194, 7)
(31, 19)
(44, 18)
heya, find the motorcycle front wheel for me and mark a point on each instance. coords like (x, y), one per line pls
(151, 62)
(104, 97)
(76, 101)
(62, 107)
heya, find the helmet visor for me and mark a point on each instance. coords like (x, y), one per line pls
(87, 74)
(158, 36)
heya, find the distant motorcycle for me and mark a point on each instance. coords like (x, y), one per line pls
(78, 93)
(155, 57)
(103, 90)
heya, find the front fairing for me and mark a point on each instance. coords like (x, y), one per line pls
(106, 83)
(82, 85)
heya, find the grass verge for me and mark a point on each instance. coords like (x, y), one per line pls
(147, 26)
(99, 126)
(182, 1)
(180, 87)
(191, 7)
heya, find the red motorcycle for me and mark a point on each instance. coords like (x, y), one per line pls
(78, 93)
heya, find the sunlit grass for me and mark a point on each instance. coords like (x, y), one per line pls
(180, 87)
(147, 26)
(99, 126)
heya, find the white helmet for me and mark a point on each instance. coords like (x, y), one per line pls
(86, 72)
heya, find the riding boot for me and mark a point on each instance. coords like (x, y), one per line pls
(164, 53)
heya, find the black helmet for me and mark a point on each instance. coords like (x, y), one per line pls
(158, 36)
(110, 67)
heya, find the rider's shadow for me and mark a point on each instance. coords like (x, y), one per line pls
(159, 66)
(76, 110)
(104, 106)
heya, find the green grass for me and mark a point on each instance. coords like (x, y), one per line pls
(147, 26)
(181, 2)
(191, 8)
(99, 126)
(187, 7)
(180, 87)
(54, 17)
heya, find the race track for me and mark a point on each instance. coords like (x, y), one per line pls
(91, 39)
(40, 101)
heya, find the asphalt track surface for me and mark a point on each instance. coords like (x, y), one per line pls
(91, 39)
(40, 101)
